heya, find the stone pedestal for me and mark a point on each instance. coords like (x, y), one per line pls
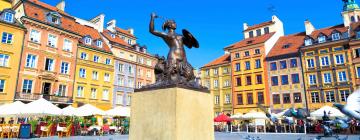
(171, 114)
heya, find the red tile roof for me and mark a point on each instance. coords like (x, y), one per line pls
(259, 25)
(47, 6)
(328, 30)
(126, 32)
(84, 30)
(219, 61)
(251, 41)
(118, 40)
(292, 42)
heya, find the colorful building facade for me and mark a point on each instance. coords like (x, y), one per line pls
(12, 36)
(216, 76)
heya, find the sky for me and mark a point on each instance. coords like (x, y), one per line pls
(216, 24)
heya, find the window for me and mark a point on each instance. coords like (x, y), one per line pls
(121, 67)
(283, 64)
(107, 77)
(325, 61)
(227, 99)
(121, 81)
(284, 79)
(250, 98)
(119, 99)
(276, 99)
(344, 95)
(67, 45)
(83, 56)
(227, 83)
(238, 81)
(308, 42)
(30, 61)
(358, 72)
(27, 86)
(324, 51)
(357, 52)
(107, 61)
(217, 99)
(9, 17)
(80, 91)
(7, 38)
(88, 40)
(148, 62)
(64, 68)
(266, 30)
(247, 53)
(49, 64)
(95, 75)
(82, 73)
(335, 36)
(310, 54)
(258, 32)
(130, 70)
(130, 42)
(54, 17)
(99, 43)
(315, 97)
(148, 73)
(52, 40)
(330, 96)
(257, 51)
(274, 81)
(312, 79)
(295, 78)
(338, 49)
(216, 83)
(248, 80)
(225, 70)
(251, 34)
(105, 95)
(259, 79)
(342, 76)
(310, 63)
(139, 84)
(260, 96)
(327, 78)
(216, 71)
(247, 65)
(257, 63)
(239, 99)
(2, 86)
(273, 66)
(237, 67)
(96, 58)
(131, 82)
(293, 63)
(322, 39)
(4, 60)
(237, 55)
(93, 93)
(339, 59)
(297, 98)
(286, 98)
(62, 90)
(35, 36)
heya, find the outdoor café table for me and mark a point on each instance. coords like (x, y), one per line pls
(113, 129)
(98, 128)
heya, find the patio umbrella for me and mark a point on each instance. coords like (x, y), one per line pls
(12, 109)
(333, 112)
(255, 115)
(118, 111)
(40, 107)
(89, 110)
(69, 111)
(236, 116)
(222, 118)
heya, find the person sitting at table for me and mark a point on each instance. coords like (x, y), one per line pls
(106, 129)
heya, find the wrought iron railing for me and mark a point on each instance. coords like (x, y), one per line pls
(36, 96)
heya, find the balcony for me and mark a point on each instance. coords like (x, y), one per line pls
(35, 96)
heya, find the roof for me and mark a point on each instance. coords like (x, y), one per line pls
(260, 25)
(126, 32)
(251, 41)
(219, 61)
(328, 30)
(47, 6)
(287, 45)
(107, 35)
(84, 30)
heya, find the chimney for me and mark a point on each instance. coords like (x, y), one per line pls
(246, 26)
(111, 25)
(99, 22)
(61, 5)
(131, 31)
(309, 27)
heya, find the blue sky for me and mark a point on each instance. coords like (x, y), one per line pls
(216, 24)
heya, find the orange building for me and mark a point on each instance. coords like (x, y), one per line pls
(249, 67)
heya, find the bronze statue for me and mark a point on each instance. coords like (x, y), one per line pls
(175, 70)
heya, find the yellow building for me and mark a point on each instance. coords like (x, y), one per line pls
(249, 69)
(12, 36)
(216, 76)
(94, 70)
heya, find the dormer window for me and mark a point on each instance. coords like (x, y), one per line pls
(308, 42)
(322, 39)
(130, 42)
(99, 43)
(88, 40)
(9, 17)
(112, 35)
(54, 17)
(286, 46)
(335, 36)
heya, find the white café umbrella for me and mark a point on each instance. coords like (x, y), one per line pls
(40, 107)
(12, 109)
(254, 115)
(69, 111)
(281, 114)
(236, 116)
(333, 112)
(118, 111)
(89, 110)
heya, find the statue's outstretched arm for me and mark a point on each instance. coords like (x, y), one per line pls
(152, 27)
